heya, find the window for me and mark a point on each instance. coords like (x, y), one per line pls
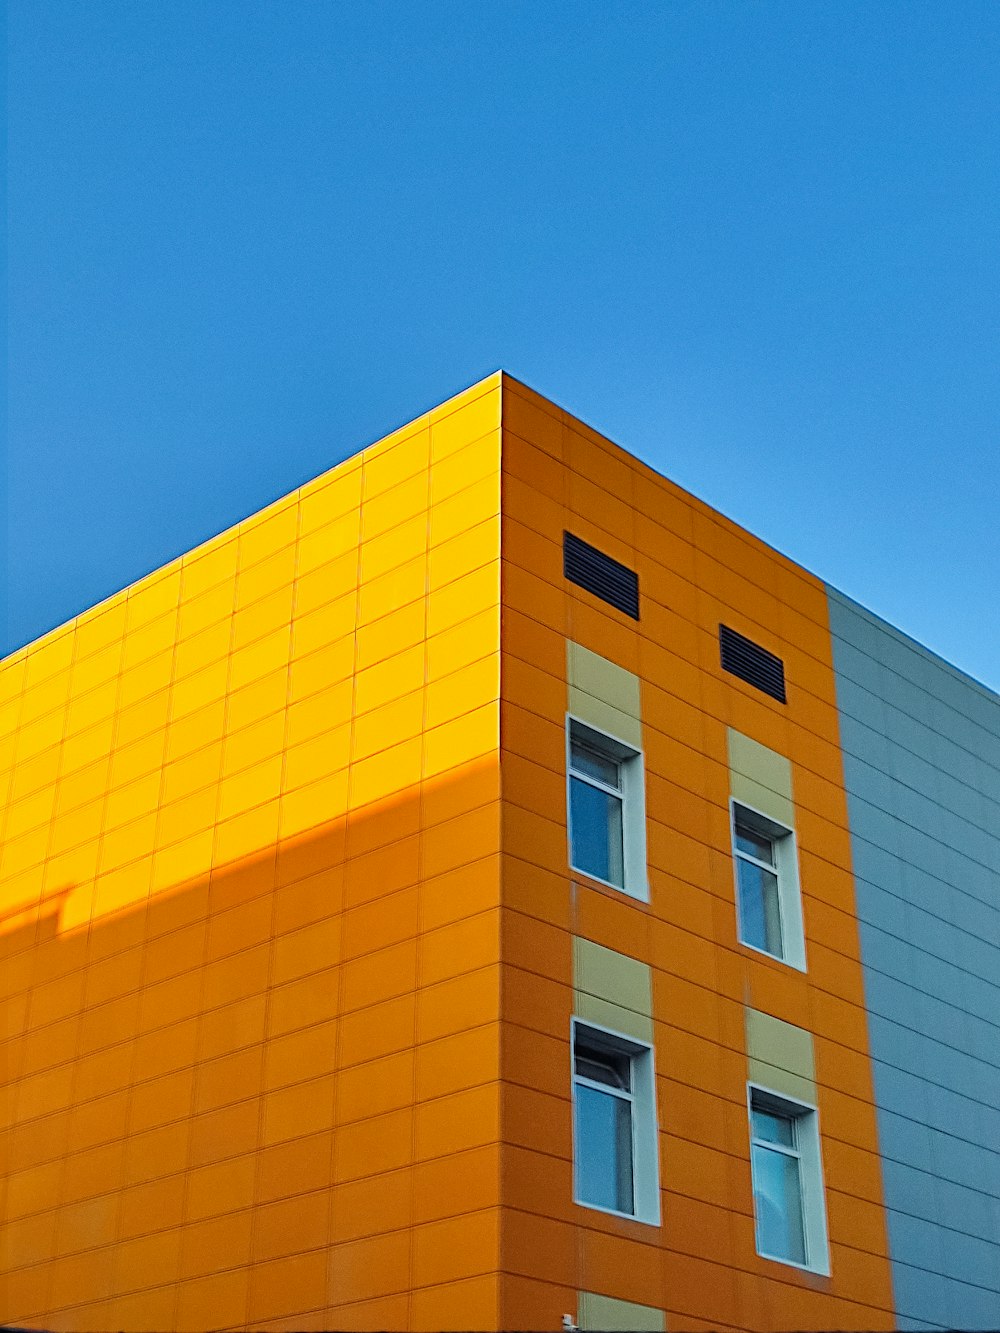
(614, 1124)
(607, 832)
(768, 903)
(789, 1211)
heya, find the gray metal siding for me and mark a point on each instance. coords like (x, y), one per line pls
(921, 749)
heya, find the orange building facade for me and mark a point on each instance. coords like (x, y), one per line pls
(314, 990)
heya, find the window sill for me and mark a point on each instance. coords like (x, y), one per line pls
(816, 1269)
(613, 1212)
(615, 888)
(774, 958)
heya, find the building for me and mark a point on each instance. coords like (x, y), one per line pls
(489, 886)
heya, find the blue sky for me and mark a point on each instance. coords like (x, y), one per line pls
(755, 243)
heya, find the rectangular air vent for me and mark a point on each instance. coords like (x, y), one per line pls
(590, 568)
(752, 663)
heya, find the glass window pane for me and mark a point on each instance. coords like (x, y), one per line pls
(604, 1067)
(774, 1128)
(778, 1205)
(595, 765)
(596, 823)
(604, 1149)
(760, 914)
(754, 844)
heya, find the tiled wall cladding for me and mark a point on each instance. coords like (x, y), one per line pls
(695, 571)
(250, 842)
(922, 766)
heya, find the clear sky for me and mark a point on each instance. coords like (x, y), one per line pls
(754, 242)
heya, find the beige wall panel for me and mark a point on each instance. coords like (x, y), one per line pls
(604, 717)
(605, 1312)
(612, 976)
(606, 1014)
(780, 1055)
(762, 798)
(761, 777)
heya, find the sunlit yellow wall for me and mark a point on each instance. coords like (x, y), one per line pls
(249, 902)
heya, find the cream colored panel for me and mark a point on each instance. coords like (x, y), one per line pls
(612, 976)
(603, 717)
(606, 1014)
(605, 1312)
(761, 778)
(603, 694)
(612, 990)
(780, 1055)
(781, 1080)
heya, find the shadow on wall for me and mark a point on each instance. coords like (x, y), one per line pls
(179, 1066)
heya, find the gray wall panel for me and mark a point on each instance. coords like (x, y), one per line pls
(921, 747)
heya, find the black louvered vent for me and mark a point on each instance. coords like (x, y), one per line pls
(752, 663)
(591, 569)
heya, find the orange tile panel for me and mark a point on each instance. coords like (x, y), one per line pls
(537, 947)
(473, 785)
(535, 1059)
(234, 929)
(165, 1050)
(527, 506)
(470, 1000)
(363, 1269)
(536, 892)
(217, 1135)
(374, 1088)
(79, 1279)
(377, 976)
(161, 1101)
(538, 838)
(292, 1226)
(618, 1266)
(371, 1146)
(382, 922)
(306, 1108)
(536, 1002)
(382, 1029)
(699, 1287)
(456, 1248)
(299, 1004)
(219, 1300)
(383, 871)
(451, 1124)
(470, 1303)
(289, 1287)
(464, 946)
(537, 1121)
(467, 891)
(537, 1183)
(368, 1206)
(360, 1316)
(447, 845)
(231, 1078)
(300, 1166)
(456, 1063)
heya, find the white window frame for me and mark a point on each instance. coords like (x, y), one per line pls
(812, 1194)
(632, 794)
(645, 1128)
(786, 868)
